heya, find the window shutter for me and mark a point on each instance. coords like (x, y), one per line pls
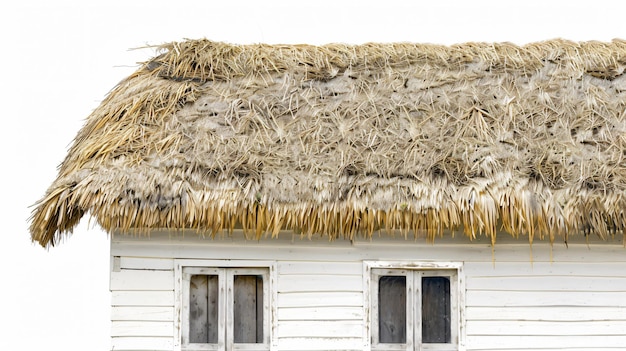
(392, 309)
(248, 308)
(436, 310)
(203, 308)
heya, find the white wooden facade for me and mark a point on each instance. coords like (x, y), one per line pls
(512, 298)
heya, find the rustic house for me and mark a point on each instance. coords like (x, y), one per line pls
(339, 197)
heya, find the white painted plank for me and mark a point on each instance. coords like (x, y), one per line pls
(556, 314)
(479, 342)
(543, 298)
(320, 329)
(340, 250)
(547, 283)
(142, 328)
(142, 298)
(305, 283)
(608, 268)
(141, 313)
(534, 328)
(381, 237)
(317, 268)
(320, 299)
(146, 263)
(220, 251)
(556, 348)
(320, 344)
(127, 279)
(142, 343)
(320, 313)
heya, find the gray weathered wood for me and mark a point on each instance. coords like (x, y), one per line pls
(259, 309)
(203, 314)
(436, 310)
(198, 309)
(392, 309)
(248, 309)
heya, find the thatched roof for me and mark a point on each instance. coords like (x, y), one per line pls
(339, 140)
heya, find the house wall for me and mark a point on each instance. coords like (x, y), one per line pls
(565, 298)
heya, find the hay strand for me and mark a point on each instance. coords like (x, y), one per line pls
(344, 141)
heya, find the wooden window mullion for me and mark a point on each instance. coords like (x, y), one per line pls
(230, 338)
(260, 320)
(430, 309)
(222, 310)
(416, 311)
(220, 302)
(248, 309)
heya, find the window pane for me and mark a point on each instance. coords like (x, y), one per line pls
(203, 303)
(248, 308)
(392, 309)
(436, 310)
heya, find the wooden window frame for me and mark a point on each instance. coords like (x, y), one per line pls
(226, 270)
(414, 271)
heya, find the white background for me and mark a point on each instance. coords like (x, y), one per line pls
(60, 58)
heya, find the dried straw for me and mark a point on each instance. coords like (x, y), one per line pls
(344, 140)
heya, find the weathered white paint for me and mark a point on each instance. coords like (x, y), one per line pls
(561, 283)
(141, 279)
(142, 343)
(141, 328)
(542, 313)
(336, 268)
(320, 344)
(142, 313)
(320, 329)
(514, 327)
(515, 298)
(147, 263)
(332, 313)
(320, 299)
(542, 342)
(318, 283)
(142, 298)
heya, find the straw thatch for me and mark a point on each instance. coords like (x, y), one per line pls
(339, 140)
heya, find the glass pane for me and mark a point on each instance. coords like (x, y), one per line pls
(248, 309)
(392, 309)
(436, 310)
(203, 314)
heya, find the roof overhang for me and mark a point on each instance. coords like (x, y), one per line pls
(342, 140)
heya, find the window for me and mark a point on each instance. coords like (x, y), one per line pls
(414, 308)
(224, 308)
